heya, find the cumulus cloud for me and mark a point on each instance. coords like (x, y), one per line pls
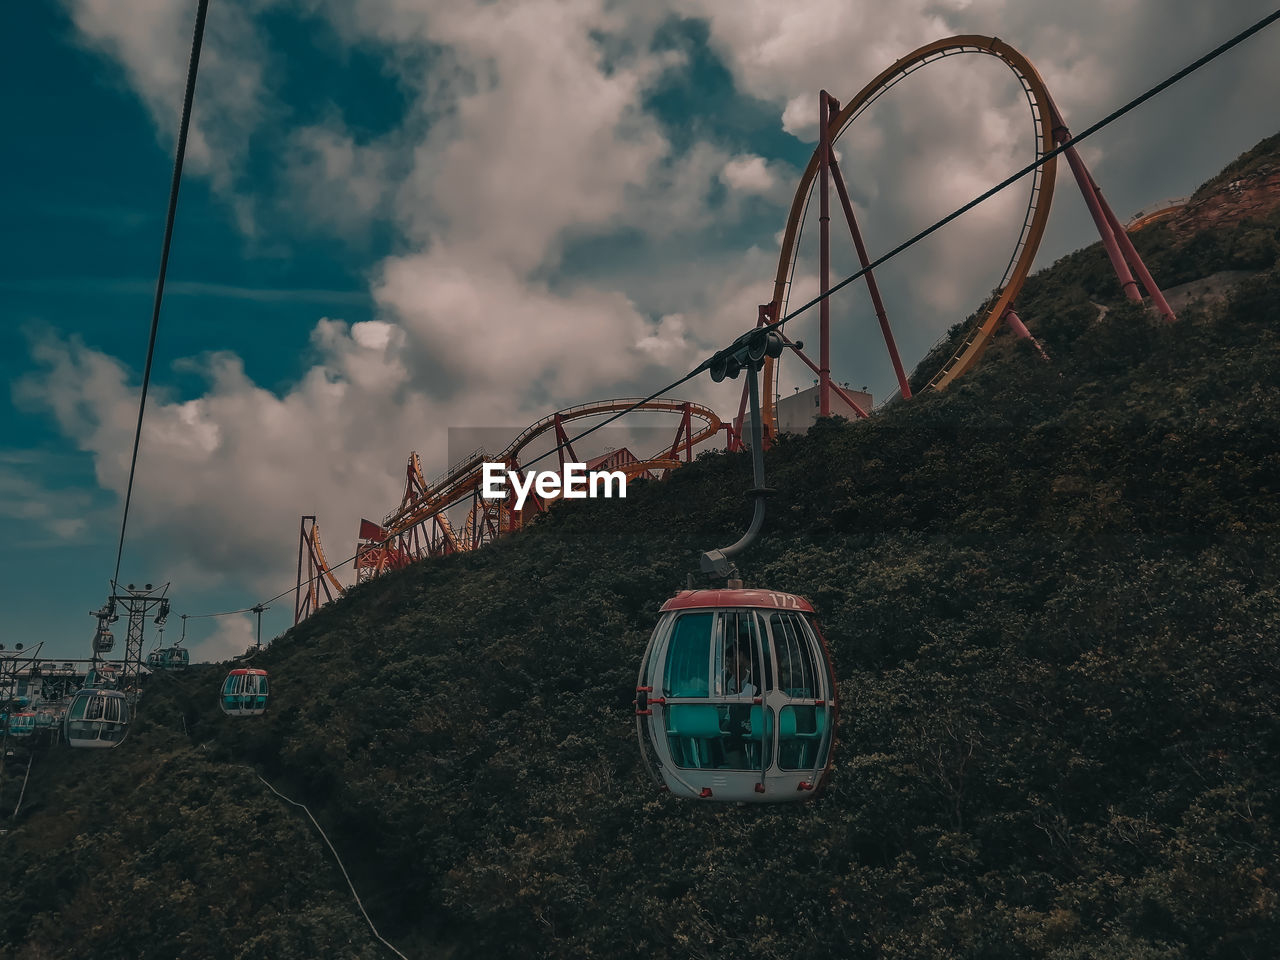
(62, 518)
(231, 636)
(508, 151)
(224, 473)
(1093, 55)
(749, 174)
(667, 341)
(337, 182)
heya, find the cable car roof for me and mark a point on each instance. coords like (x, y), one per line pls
(766, 599)
(247, 671)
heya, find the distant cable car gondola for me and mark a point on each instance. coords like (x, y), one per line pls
(169, 658)
(736, 697)
(244, 693)
(102, 676)
(22, 724)
(103, 640)
(97, 718)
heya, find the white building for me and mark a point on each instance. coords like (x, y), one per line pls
(798, 412)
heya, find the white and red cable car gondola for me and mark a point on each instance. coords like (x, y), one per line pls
(736, 697)
(244, 693)
(22, 724)
(97, 718)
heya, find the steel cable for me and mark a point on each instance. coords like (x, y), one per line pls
(192, 66)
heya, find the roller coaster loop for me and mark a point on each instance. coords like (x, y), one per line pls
(824, 170)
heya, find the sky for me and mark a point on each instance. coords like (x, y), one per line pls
(403, 216)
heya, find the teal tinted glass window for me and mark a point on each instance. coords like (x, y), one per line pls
(797, 672)
(710, 736)
(738, 658)
(802, 736)
(688, 666)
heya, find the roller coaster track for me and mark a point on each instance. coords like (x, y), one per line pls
(1155, 214)
(318, 575)
(420, 526)
(1034, 222)
(1050, 130)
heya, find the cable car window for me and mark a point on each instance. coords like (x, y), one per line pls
(797, 673)
(711, 736)
(738, 669)
(689, 657)
(800, 735)
(649, 663)
(77, 707)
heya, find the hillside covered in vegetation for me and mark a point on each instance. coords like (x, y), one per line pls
(1051, 597)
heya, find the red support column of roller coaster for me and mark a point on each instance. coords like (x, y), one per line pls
(1125, 259)
(872, 287)
(683, 432)
(795, 348)
(825, 109)
(829, 171)
(1020, 330)
(1140, 268)
(732, 442)
(318, 573)
(563, 447)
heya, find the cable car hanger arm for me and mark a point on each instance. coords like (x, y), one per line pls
(748, 352)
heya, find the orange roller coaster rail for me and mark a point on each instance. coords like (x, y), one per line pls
(823, 168)
(420, 526)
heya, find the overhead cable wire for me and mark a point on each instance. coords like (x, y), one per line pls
(192, 66)
(224, 613)
(334, 851)
(1004, 184)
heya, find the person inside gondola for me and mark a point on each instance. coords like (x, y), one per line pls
(738, 674)
(738, 685)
